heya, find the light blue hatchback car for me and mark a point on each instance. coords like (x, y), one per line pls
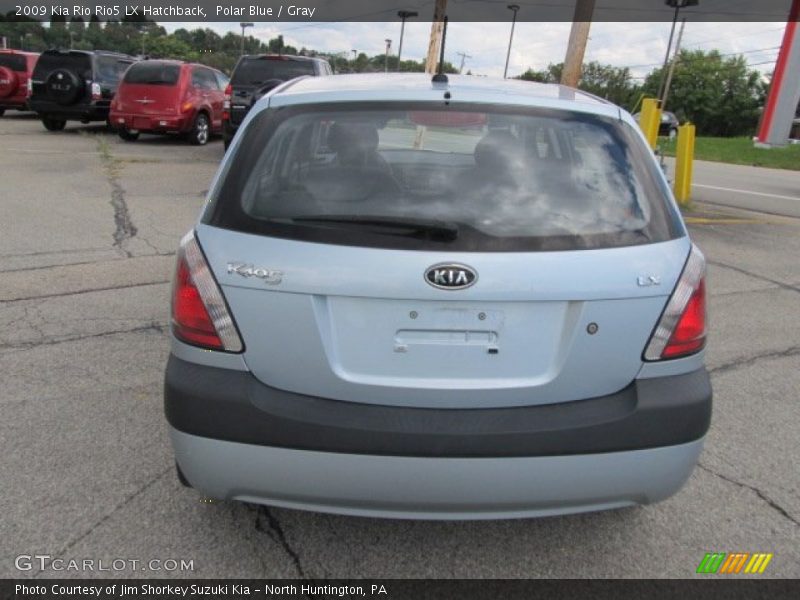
(460, 300)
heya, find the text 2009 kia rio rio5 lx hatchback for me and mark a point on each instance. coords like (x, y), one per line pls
(406, 298)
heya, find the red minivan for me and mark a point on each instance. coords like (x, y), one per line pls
(15, 73)
(168, 96)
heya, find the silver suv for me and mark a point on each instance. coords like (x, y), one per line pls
(406, 298)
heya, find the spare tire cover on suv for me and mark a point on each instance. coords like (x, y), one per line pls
(64, 86)
(8, 82)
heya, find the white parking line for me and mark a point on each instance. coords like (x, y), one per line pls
(724, 189)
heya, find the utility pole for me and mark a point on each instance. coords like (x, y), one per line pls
(386, 56)
(672, 66)
(576, 48)
(464, 56)
(403, 14)
(244, 26)
(677, 5)
(514, 8)
(437, 26)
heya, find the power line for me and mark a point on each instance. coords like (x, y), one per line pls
(752, 33)
(707, 57)
(723, 67)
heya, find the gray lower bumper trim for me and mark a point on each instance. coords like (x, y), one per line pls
(432, 488)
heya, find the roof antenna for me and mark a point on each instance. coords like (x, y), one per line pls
(440, 77)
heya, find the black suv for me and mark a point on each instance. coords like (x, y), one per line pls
(255, 75)
(76, 85)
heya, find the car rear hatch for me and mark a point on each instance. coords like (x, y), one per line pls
(150, 88)
(254, 76)
(459, 294)
(77, 63)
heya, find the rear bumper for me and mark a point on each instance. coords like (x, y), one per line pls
(14, 102)
(166, 123)
(234, 406)
(236, 438)
(432, 488)
(75, 112)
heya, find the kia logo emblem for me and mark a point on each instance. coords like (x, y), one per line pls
(449, 276)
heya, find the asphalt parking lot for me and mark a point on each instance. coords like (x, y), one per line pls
(88, 232)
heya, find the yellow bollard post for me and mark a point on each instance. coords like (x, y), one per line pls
(649, 120)
(684, 158)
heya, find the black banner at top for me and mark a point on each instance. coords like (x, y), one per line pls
(387, 10)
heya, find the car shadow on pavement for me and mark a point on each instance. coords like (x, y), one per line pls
(318, 544)
(167, 140)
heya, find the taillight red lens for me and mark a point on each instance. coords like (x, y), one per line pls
(200, 315)
(190, 320)
(690, 332)
(681, 330)
(226, 103)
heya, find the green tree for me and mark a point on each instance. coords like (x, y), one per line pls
(720, 95)
(170, 47)
(615, 84)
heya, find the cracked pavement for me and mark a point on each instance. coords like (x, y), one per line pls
(87, 240)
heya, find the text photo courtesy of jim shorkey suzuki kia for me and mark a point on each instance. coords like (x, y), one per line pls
(193, 590)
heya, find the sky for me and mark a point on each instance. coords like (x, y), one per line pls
(640, 46)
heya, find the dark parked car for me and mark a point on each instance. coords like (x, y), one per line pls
(669, 123)
(167, 96)
(15, 72)
(76, 85)
(255, 75)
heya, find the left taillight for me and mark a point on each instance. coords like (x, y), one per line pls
(681, 331)
(226, 103)
(29, 88)
(97, 92)
(200, 316)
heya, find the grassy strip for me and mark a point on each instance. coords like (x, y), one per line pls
(739, 151)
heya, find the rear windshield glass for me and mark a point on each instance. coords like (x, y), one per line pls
(78, 63)
(15, 62)
(255, 71)
(443, 178)
(153, 73)
(110, 69)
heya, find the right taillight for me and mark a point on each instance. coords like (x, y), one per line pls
(200, 316)
(682, 328)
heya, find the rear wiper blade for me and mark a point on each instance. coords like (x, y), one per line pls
(416, 227)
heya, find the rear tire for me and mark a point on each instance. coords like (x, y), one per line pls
(53, 124)
(201, 130)
(2, 111)
(128, 135)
